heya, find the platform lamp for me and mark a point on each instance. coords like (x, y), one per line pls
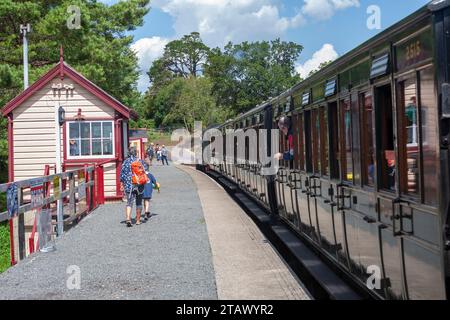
(60, 119)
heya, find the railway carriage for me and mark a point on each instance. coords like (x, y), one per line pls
(369, 182)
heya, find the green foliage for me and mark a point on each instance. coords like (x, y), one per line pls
(228, 81)
(246, 74)
(185, 58)
(99, 49)
(321, 66)
(161, 102)
(195, 103)
(5, 255)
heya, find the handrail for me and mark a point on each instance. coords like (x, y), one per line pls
(30, 182)
(88, 189)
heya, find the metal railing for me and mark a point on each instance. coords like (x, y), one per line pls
(75, 193)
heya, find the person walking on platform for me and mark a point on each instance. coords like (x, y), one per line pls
(164, 155)
(148, 192)
(151, 153)
(132, 182)
(158, 153)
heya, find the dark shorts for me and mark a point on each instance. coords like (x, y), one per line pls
(134, 196)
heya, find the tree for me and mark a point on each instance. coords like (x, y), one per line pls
(321, 66)
(246, 74)
(158, 104)
(195, 104)
(185, 58)
(99, 49)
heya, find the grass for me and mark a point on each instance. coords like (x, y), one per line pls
(5, 257)
(160, 137)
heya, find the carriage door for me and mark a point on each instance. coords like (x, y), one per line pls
(416, 218)
(388, 196)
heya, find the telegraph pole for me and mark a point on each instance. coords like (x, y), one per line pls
(24, 30)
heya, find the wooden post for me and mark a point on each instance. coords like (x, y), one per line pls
(21, 227)
(100, 186)
(72, 200)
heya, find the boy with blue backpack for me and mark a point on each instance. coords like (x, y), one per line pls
(148, 191)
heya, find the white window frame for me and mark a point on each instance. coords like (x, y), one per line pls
(80, 157)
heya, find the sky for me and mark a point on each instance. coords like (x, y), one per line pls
(326, 29)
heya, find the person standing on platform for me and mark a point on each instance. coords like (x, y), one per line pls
(151, 153)
(164, 155)
(158, 152)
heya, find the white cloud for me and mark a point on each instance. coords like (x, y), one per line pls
(326, 53)
(148, 50)
(325, 9)
(220, 21)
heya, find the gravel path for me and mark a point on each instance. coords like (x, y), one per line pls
(169, 257)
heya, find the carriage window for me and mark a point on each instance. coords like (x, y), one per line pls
(334, 140)
(301, 142)
(308, 142)
(295, 132)
(430, 143)
(385, 134)
(324, 141)
(408, 131)
(315, 140)
(367, 140)
(356, 140)
(346, 125)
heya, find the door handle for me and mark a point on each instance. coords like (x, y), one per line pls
(369, 219)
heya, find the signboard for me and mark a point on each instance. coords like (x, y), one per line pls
(56, 187)
(45, 231)
(81, 185)
(37, 196)
(414, 50)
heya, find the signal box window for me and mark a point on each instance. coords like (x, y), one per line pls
(90, 139)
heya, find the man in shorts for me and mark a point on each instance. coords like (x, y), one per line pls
(133, 193)
(151, 153)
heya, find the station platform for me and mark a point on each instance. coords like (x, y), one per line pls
(198, 245)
